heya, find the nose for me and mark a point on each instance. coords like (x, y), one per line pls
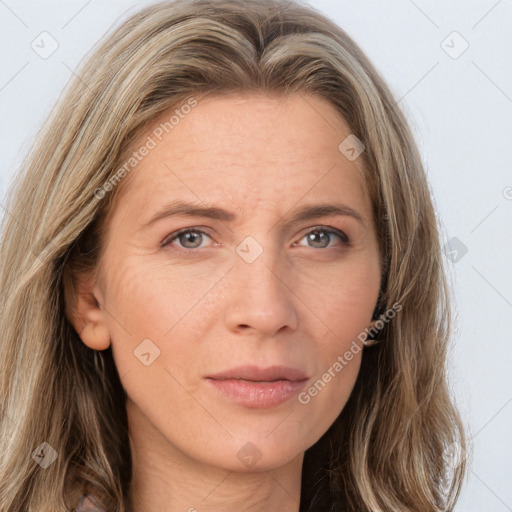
(260, 297)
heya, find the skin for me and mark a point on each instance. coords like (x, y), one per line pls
(301, 303)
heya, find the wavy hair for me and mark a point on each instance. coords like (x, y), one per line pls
(387, 449)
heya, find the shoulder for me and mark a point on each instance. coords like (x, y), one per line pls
(87, 503)
(83, 495)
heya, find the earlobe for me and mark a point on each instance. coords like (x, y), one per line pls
(95, 335)
(87, 316)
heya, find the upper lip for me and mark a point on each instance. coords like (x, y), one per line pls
(259, 374)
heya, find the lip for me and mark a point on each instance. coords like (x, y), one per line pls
(259, 374)
(259, 388)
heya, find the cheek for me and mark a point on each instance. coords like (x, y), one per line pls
(150, 318)
(344, 303)
(149, 299)
(345, 298)
(161, 311)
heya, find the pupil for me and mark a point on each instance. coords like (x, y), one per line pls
(314, 234)
(188, 237)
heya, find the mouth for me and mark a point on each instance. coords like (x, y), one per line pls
(260, 374)
(258, 388)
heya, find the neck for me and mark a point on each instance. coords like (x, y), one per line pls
(166, 479)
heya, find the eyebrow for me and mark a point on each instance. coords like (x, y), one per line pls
(180, 207)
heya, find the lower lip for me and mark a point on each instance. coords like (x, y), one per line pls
(258, 395)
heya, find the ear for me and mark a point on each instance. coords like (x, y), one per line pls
(84, 311)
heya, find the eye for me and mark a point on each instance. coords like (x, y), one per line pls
(321, 242)
(189, 238)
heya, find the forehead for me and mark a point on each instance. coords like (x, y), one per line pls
(258, 151)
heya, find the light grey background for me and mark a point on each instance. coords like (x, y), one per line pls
(460, 107)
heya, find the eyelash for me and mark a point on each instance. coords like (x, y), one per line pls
(174, 236)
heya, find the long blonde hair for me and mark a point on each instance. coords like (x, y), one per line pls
(387, 449)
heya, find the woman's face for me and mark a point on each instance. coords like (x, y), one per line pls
(253, 282)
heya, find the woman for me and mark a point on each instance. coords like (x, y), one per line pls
(293, 359)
